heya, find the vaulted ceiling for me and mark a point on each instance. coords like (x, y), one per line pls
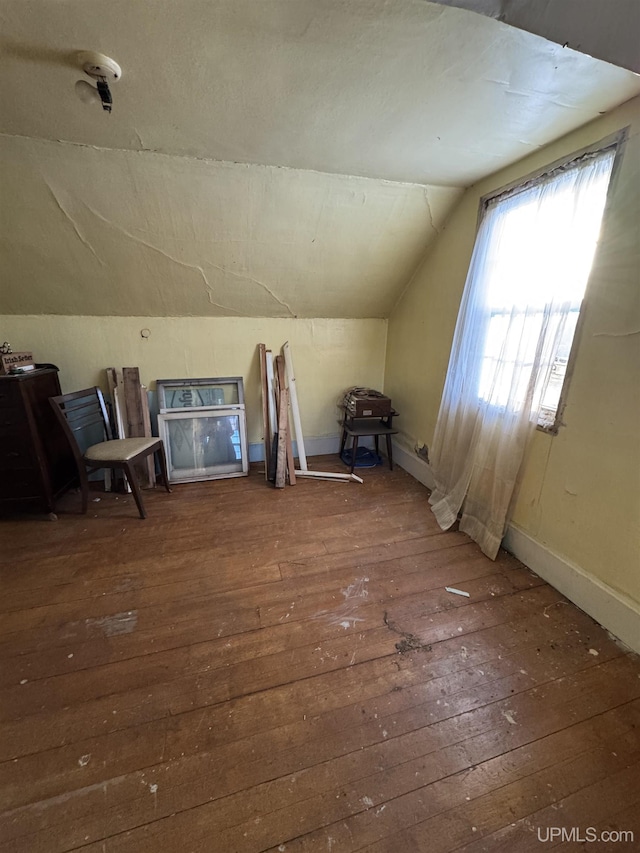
(272, 158)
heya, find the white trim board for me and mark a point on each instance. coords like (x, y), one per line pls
(612, 609)
(413, 464)
(324, 445)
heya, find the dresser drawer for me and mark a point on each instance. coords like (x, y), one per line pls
(20, 485)
(17, 453)
(12, 422)
(36, 463)
(10, 394)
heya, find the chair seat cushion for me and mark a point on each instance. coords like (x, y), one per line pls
(118, 450)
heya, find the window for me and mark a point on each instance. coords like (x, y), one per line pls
(512, 347)
(539, 241)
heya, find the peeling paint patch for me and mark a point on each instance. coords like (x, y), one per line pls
(357, 589)
(119, 623)
(345, 614)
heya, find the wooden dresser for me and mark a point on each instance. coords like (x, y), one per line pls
(36, 463)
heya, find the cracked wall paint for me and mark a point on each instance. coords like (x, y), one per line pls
(196, 267)
(176, 236)
(261, 284)
(431, 220)
(185, 264)
(616, 334)
(74, 224)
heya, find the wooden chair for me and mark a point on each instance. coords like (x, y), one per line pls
(86, 410)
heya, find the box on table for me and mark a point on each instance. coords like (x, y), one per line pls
(367, 403)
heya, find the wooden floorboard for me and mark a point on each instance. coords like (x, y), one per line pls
(255, 670)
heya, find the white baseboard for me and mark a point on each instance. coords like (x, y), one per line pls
(413, 464)
(612, 609)
(324, 445)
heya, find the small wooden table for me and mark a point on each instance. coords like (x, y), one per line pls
(359, 427)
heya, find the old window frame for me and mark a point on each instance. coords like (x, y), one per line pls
(616, 141)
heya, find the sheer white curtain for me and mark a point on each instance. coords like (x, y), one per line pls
(528, 271)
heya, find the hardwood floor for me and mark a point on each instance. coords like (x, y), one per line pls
(257, 670)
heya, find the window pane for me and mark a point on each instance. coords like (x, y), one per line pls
(551, 394)
(537, 256)
(183, 396)
(198, 444)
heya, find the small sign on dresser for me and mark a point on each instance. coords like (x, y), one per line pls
(16, 362)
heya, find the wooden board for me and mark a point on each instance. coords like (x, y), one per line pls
(291, 467)
(330, 475)
(281, 459)
(112, 382)
(295, 409)
(133, 403)
(266, 424)
(138, 424)
(273, 416)
(271, 383)
(119, 419)
(146, 420)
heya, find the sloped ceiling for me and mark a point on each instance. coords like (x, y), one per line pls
(605, 29)
(130, 233)
(272, 158)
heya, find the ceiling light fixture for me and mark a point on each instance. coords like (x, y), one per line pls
(103, 70)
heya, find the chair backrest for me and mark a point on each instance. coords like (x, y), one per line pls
(80, 411)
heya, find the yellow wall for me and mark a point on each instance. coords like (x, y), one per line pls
(580, 495)
(329, 355)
